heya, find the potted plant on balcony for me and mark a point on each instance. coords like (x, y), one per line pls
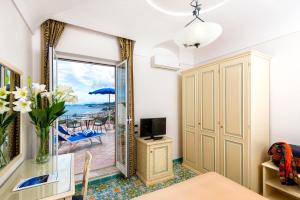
(46, 107)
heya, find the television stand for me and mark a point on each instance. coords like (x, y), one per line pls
(154, 138)
(154, 160)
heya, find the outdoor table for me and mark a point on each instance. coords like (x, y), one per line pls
(86, 121)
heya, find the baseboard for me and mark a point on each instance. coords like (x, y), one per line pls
(192, 169)
(178, 160)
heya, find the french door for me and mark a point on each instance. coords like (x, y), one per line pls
(122, 117)
(52, 61)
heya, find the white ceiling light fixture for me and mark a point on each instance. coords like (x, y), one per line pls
(198, 33)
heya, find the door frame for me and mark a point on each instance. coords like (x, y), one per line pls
(77, 58)
(52, 57)
(124, 169)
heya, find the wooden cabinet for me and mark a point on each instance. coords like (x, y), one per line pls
(154, 160)
(234, 119)
(190, 138)
(226, 117)
(208, 117)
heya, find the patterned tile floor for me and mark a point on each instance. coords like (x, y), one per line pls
(120, 189)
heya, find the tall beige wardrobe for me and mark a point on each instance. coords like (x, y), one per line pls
(225, 116)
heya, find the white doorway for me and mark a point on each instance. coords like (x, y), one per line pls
(92, 112)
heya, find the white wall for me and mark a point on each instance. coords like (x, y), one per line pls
(284, 84)
(15, 50)
(156, 91)
(157, 94)
(36, 55)
(89, 43)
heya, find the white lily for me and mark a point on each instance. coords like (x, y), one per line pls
(38, 88)
(48, 95)
(63, 90)
(3, 92)
(21, 93)
(3, 107)
(72, 98)
(22, 106)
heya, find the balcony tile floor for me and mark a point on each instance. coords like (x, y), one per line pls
(103, 154)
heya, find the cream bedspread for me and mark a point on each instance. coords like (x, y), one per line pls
(209, 186)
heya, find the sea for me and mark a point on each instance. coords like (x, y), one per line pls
(78, 109)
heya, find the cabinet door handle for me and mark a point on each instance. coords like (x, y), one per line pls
(150, 151)
(221, 126)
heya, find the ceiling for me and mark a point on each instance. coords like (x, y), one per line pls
(244, 22)
(183, 7)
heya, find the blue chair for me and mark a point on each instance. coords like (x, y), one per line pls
(64, 136)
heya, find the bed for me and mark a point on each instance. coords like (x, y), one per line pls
(209, 186)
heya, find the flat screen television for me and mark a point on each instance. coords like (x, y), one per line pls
(153, 128)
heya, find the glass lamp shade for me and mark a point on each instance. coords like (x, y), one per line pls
(198, 34)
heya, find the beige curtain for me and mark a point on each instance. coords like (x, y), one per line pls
(126, 47)
(51, 31)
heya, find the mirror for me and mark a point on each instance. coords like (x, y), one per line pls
(10, 142)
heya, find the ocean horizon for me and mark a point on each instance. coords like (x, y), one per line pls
(88, 108)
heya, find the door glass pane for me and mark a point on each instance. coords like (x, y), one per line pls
(54, 139)
(121, 119)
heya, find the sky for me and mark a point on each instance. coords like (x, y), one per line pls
(84, 78)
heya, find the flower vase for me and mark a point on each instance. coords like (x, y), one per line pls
(3, 157)
(43, 145)
(3, 146)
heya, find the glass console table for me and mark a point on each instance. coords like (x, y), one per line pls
(64, 188)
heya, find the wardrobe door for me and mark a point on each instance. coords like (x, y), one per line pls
(189, 88)
(208, 115)
(234, 118)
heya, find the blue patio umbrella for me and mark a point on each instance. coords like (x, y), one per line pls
(103, 91)
(108, 91)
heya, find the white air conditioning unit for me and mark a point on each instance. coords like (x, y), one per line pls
(168, 62)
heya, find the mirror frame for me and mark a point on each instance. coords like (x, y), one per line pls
(16, 161)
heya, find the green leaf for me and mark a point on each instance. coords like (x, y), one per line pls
(39, 101)
(33, 118)
(29, 81)
(39, 117)
(56, 110)
(2, 117)
(3, 135)
(43, 118)
(8, 120)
